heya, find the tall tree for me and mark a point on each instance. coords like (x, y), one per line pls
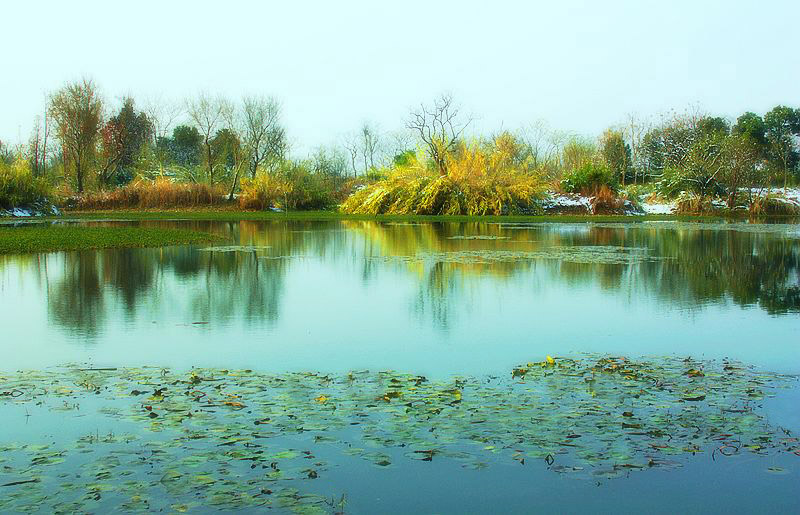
(782, 124)
(752, 126)
(364, 148)
(616, 153)
(208, 115)
(124, 136)
(185, 145)
(76, 110)
(712, 126)
(262, 134)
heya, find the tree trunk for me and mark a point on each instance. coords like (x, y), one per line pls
(210, 163)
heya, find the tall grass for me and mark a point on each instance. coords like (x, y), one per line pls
(480, 180)
(18, 186)
(158, 193)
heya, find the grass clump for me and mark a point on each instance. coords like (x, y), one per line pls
(157, 193)
(480, 180)
(18, 186)
(51, 238)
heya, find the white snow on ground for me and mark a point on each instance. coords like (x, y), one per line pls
(559, 200)
(792, 196)
(20, 212)
(658, 208)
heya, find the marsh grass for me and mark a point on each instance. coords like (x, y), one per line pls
(158, 193)
(51, 238)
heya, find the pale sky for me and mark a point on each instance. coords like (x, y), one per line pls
(579, 65)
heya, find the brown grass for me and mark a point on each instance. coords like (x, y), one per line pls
(159, 193)
(694, 205)
(605, 201)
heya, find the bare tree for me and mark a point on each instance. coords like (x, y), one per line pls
(634, 130)
(370, 139)
(208, 115)
(351, 144)
(162, 114)
(238, 123)
(364, 147)
(261, 131)
(76, 110)
(439, 127)
(37, 146)
(543, 143)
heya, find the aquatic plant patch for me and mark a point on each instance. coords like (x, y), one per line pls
(217, 439)
(603, 254)
(235, 248)
(51, 238)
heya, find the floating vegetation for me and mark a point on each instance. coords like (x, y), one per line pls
(478, 237)
(744, 227)
(235, 248)
(224, 439)
(602, 254)
(58, 237)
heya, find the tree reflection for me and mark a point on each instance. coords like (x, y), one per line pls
(76, 300)
(692, 266)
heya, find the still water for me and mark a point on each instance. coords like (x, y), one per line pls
(438, 300)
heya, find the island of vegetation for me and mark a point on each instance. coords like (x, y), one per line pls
(229, 159)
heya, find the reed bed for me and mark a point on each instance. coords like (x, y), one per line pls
(158, 193)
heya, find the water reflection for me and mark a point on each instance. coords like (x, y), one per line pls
(448, 266)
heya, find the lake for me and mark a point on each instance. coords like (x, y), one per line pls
(362, 367)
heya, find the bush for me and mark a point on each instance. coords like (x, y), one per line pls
(588, 180)
(308, 190)
(479, 181)
(263, 192)
(158, 193)
(19, 188)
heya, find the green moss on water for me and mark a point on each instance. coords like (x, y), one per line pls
(50, 238)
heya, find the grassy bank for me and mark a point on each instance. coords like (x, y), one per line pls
(226, 215)
(47, 238)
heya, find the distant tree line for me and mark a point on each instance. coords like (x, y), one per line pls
(84, 142)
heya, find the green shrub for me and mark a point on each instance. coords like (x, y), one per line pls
(263, 192)
(19, 188)
(308, 190)
(588, 179)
